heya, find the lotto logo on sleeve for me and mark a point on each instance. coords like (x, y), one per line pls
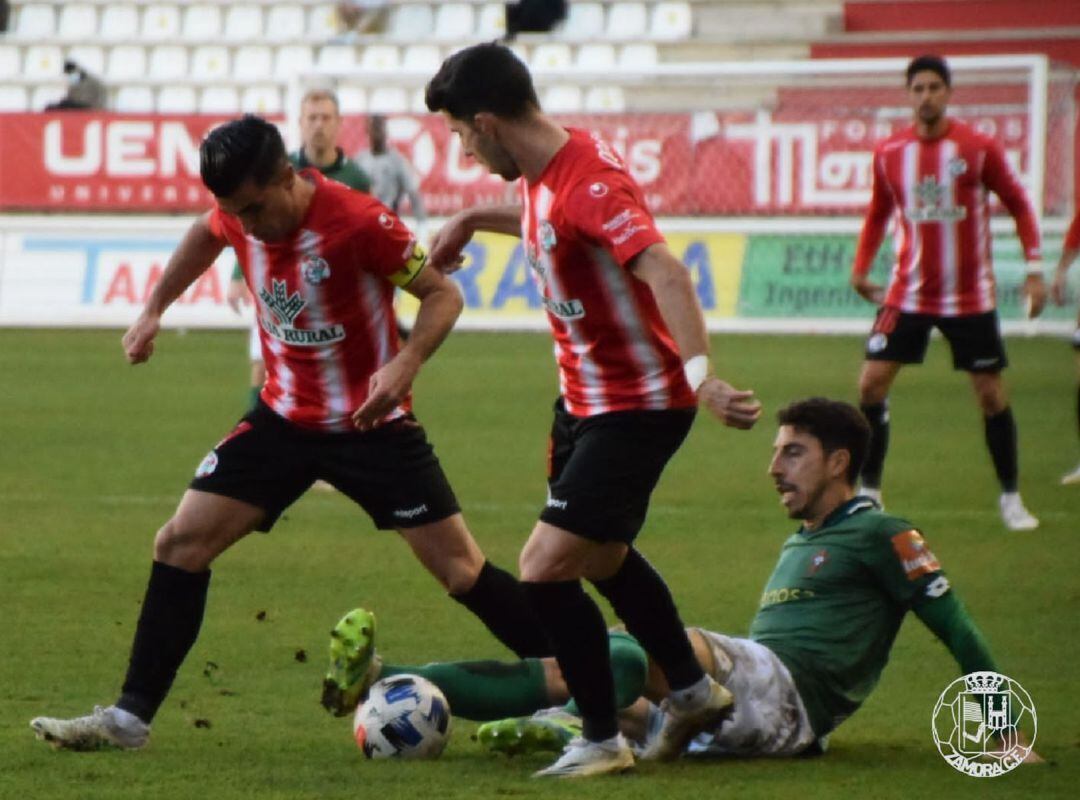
(914, 555)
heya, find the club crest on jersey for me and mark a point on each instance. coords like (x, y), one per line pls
(956, 166)
(818, 561)
(547, 235)
(314, 269)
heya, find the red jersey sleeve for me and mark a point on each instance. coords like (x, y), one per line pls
(611, 213)
(877, 218)
(999, 178)
(1072, 236)
(384, 245)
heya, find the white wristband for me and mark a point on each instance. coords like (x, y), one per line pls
(1035, 268)
(696, 371)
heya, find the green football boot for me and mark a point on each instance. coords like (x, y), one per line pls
(354, 665)
(547, 731)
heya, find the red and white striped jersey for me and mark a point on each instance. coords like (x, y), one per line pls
(938, 190)
(1072, 235)
(324, 302)
(583, 221)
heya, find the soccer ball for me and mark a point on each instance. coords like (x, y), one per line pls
(404, 716)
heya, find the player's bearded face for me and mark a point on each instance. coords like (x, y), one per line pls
(799, 472)
(486, 149)
(929, 96)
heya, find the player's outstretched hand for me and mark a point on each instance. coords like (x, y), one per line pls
(1035, 291)
(1057, 288)
(868, 290)
(138, 341)
(386, 388)
(447, 244)
(237, 295)
(734, 407)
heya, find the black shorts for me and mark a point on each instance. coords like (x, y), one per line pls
(602, 469)
(391, 472)
(975, 339)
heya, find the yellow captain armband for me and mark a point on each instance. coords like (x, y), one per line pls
(411, 268)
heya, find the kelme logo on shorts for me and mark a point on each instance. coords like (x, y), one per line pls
(207, 465)
(877, 343)
(984, 724)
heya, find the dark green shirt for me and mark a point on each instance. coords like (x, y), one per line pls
(343, 170)
(834, 603)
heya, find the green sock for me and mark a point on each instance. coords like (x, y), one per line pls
(484, 690)
(253, 396)
(629, 667)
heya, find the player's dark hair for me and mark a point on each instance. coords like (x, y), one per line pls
(246, 148)
(929, 63)
(484, 77)
(837, 425)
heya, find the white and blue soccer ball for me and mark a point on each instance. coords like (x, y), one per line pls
(404, 716)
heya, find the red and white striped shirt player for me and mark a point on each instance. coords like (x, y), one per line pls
(325, 304)
(937, 189)
(583, 221)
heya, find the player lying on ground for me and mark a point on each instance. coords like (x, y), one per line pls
(829, 615)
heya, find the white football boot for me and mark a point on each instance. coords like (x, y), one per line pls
(683, 723)
(582, 759)
(1070, 478)
(105, 728)
(1014, 515)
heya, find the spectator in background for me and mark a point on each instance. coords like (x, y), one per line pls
(84, 90)
(392, 177)
(5, 14)
(534, 16)
(360, 17)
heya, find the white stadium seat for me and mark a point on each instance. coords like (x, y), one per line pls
(168, 62)
(352, 99)
(77, 21)
(627, 21)
(252, 63)
(418, 104)
(453, 22)
(160, 23)
(10, 60)
(176, 100)
(201, 22)
(46, 93)
(210, 62)
(219, 100)
(43, 61)
(562, 99)
(388, 100)
(605, 98)
(261, 100)
(134, 100)
(35, 21)
(671, 21)
(491, 21)
(291, 59)
(411, 22)
(88, 56)
(584, 21)
(119, 23)
(551, 56)
(336, 58)
(322, 22)
(245, 24)
(284, 23)
(421, 58)
(380, 57)
(14, 99)
(126, 61)
(595, 57)
(641, 55)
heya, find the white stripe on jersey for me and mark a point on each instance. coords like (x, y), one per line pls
(950, 255)
(983, 246)
(259, 280)
(371, 288)
(331, 380)
(616, 282)
(910, 301)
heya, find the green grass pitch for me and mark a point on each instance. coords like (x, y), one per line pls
(95, 455)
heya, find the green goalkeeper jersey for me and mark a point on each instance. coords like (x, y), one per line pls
(835, 601)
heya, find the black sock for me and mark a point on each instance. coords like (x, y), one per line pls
(499, 601)
(576, 628)
(642, 600)
(877, 414)
(1001, 439)
(169, 623)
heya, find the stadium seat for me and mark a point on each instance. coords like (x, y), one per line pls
(210, 62)
(284, 23)
(627, 21)
(253, 62)
(641, 55)
(201, 22)
(46, 93)
(605, 98)
(550, 56)
(336, 58)
(125, 61)
(77, 21)
(352, 99)
(291, 59)
(380, 57)
(43, 62)
(671, 21)
(453, 22)
(388, 100)
(14, 99)
(134, 100)
(418, 104)
(245, 24)
(88, 56)
(10, 60)
(35, 21)
(160, 23)
(261, 100)
(595, 57)
(219, 100)
(168, 62)
(584, 21)
(491, 22)
(322, 23)
(421, 58)
(562, 99)
(176, 100)
(411, 22)
(119, 23)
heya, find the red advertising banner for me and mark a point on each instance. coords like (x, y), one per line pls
(795, 158)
